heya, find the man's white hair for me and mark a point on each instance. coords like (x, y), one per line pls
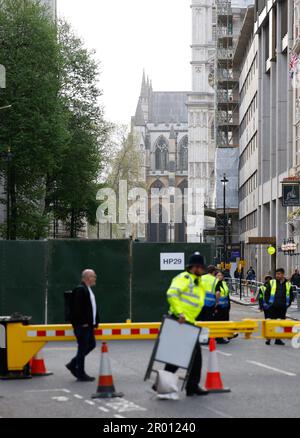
(87, 272)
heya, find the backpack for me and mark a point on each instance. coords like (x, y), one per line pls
(68, 305)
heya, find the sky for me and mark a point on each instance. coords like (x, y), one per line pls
(130, 36)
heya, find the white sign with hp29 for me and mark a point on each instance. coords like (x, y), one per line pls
(172, 261)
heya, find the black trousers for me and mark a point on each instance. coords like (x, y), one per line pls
(207, 314)
(222, 314)
(276, 313)
(86, 343)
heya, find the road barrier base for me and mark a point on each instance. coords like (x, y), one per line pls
(107, 396)
(219, 391)
(16, 376)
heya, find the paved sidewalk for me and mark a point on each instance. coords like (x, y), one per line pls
(293, 312)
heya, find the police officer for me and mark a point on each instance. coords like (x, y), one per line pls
(222, 309)
(186, 299)
(209, 283)
(278, 298)
(261, 295)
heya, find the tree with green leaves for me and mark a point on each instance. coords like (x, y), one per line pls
(33, 127)
(55, 128)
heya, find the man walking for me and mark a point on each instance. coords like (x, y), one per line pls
(186, 299)
(278, 298)
(84, 318)
(295, 280)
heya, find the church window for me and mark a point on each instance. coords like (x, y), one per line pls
(161, 154)
(212, 132)
(183, 154)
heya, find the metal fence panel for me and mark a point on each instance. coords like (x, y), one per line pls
(110, 260)
(22, 273)
(150, 284)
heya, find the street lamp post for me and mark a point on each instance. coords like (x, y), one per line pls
(224, 181)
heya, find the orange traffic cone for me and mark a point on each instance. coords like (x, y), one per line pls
(37, 366)
(213, 380)
(106, 388)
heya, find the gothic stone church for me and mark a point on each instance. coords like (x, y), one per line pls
(160, 125)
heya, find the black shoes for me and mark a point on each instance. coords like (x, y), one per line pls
(86, 378)
(72, 370)
(196, 391)
(222, 341)
(279, 342)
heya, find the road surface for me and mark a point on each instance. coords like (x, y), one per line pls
(264, 382)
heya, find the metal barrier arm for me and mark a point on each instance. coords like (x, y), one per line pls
(23, 342)
(221, 329)
(280, 329)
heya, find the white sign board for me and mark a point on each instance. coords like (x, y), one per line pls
(172, 261)
(177, 343)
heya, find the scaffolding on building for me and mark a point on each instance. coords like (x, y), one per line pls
(226, 81)
(228, 23)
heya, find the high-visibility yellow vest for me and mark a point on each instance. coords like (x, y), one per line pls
(186, 296)
(273, 293)
(261, 293)
(224, 295)
(209, 283)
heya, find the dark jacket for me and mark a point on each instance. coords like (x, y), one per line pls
(280, 296)
(295, 280)
(261, 295)
(81, 307)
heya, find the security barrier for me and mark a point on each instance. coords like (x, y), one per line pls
(25, 341)
(21, 342)
(221, 329)
(280, 329)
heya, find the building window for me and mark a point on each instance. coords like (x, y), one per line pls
(248, 223)
(183, 154)
(181, 226)
(158, 224)
(259, 5)
(249, 187)
(212, 131)
(161, 154)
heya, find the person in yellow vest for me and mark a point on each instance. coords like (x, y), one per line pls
(209, 283)
(186, 299)
(278, 298)
(261, 295)
(222, 309)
